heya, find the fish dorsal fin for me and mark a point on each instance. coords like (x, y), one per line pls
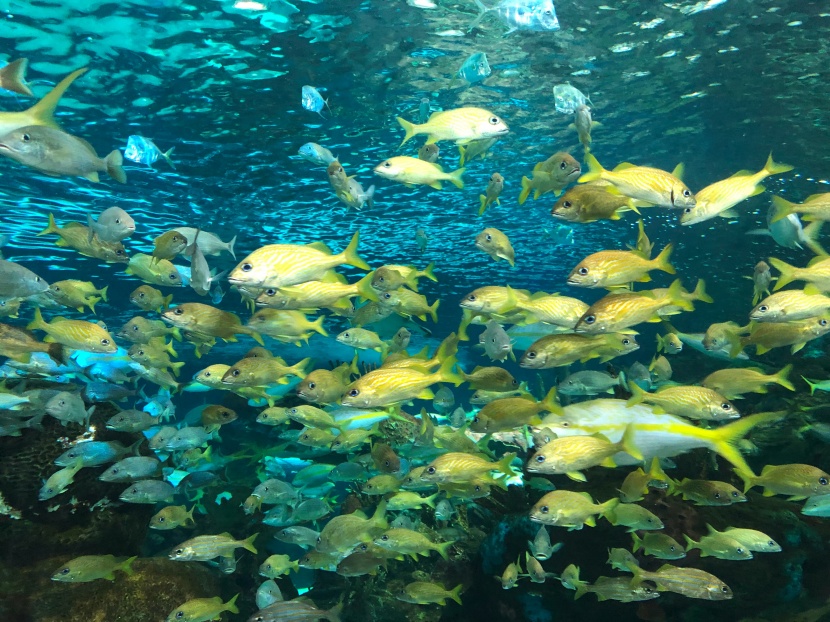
(712, 531)
(586, 495)
(539, 295)
(811, 290)
(622, 166)
(816, 197)
(330, 277)
(666, 567)
(743, 173)
(321, 246)
(816, 259)
(764, 471)
(679, 171)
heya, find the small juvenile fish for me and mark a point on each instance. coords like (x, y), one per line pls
(718, 545)
(761, 280)
(510, 577)
(91, 567)
(568, 98)
(588, 383)
(113, 225)
(429, 153)
(207, 547)
(410, 171)
(154, 271)
(424, 593)
(583, 123)
(59, 481)
(209, 243)
(552, 175)
(173, 516)
(669, 343)
(144, 151)
(497, 343)
(564, 508)
(313, 101)
(541, 547)
(475, 148)
(635, 517)
(149, 491)
(475, 68)
(276, 566)
(497, 245)
(797, 480)
(169, 245)
(621, 559)
(589, 203)
(267, 594)
(735, 382)
(316, 154)
(202, 610)
(421, 239)
(491, 195)
(658, 545)
(533, 15)
(149, 298)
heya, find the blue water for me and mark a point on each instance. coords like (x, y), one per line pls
(717, 85)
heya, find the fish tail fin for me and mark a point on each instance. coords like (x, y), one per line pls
(690, 544)
(445, 373)
(679, 296)
(455, 178)
(429, 272)
(483, 200)
(503, 465)
(595, 169)
(661, 262)
(55, 352)
(37, 322)
(748, 479)
(379, 517)
(165, 303)
(231, 605)
(628, 445)
(455, 593)
(384, 350)
(433, 310)
(176, 334)
(168, 347)
(661, 343)
(782, 377)
(13, 77)
(638, 542)
(482, 11)
(51, 227)
(525, 190)
(253, 334)
(448, 347)
(189, 515)
(176, 367)
(44, 110)
(300, 369)
(637, 395)
(365, 289)
(581, 589)
(410, 128)
(166, 155)
(725, 440)
(811, 234)
(103, 293)
(248, 544)
(551, 404)
(350, 255)
(127, 565)
(317, 326)
(700, 292)
(609, 506)
(114, 162)
(783, 208)
(774, 168)
(787, 273)
(443, 549)
(638, 578)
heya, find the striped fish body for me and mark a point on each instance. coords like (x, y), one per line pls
(617, 312)
(77, 334)
(383, 387)
(312, 295)
(154, 271)
(554, 309)
(205, 320)
(462, 125)
(789, 305)
(768, 335)
(651, 185)
(693, 403)
(723, 195)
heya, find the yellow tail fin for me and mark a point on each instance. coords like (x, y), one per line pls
(781, 378)
(787, 271)
(350, 255)
(595, 169)
(661, 262)
(409, 128)
(43, 111)
(525, 190)
(774, 168)
(455, 178)
(783, 208)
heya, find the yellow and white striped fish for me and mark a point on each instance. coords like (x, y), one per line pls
(815, 207)
(789, 305)
(618, 268)
(817, 272)
(552, 309)
(462, 125)
(719, 198)
(643, 183)
(385, 386)
(409, 171)
(281, 265)
(77, 334)
(654, 434)
(690, 402)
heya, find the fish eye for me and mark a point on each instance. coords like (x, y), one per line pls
(26, 138)
(179, 551)
(65, 570)
(267, 566)
(57, 288)
(566, 204)
(564, 424)
(246, 267)
(270, 292)
(387, 164)
(135, 327)
(119, 252)
(771, 543)
(688, 210)
(735, 494)
(173, 276)
(540, 459)
(583, 271)
(384, 538)
(562, 165)
(346, 335)
(179, 615)
(207, 374)
(489, 237)
(141, 353)
(739, 551)
(590, 319)
(531, 354)
(178, 311)
(626, 342)
(311, 385)
(431, 470)
(822, 481)
(494, 120)
(354, 393)
(235, 373)
(62, 403)
(672, 548)
(725, 589)
(717, 495)
(822, 322)
(687, 193)
(471, 298)
(117, 221)
(160, 519)
(544, 509)
(141, 295)
(726, 406)
(763, 308)
(114, 470)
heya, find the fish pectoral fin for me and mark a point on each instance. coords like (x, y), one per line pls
(576, 476)
(93, 177)
(729, 213)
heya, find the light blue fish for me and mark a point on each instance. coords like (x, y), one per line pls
(316, 154)
(475, 68)
(313, 101)
(144, 151)
(531, 15)
(567, 98)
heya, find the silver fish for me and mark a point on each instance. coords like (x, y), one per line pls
(113, 225)
(496, 342)
(532, 15)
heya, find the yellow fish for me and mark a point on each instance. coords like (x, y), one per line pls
(410, 171)
(643, 183)
(76, 334)
(281, 265)
(497, 245)
(384, 387)
(208, 321)
(552, 175)
(564, 349)
(552, 309)
(491, 195)
(789, 305)
(41, 113)
(149, 298)
(618, 268)
(155, 272)
(815, 207)
(589, 203)
(462, 125)
(734, 382)
(77, 236)
(768, 335)
(817, 273)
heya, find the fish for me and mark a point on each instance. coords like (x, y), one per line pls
(426, 593)
(690, 402)
(816, 273)
(735, 382)
(77, 236)
(552, 309)
(92, 567)
(816, 207)
(461, 125)
(149, 298)
(799, 481)
(475, 149)
(768, 335)
(42, 112)
(583, 124)
(296, 610)
(57, 153)
(661, 371)
(761, 280)
(148, 491)
(412, 543)
(20, 345)
(589, 203)
(209, 243)
(391, 277)
(154, 271)
(316, 154)
(790, 305)
(553, 175)
(59, 481)
(348, 189)
(635, 517)
(202, 609)
(277, 565)
(564, 508)
(649, 185)
(588, 383)
(512, 412)
(496, 342)
(705, 492)
(77, 294)
(144, 151)
(720, 198)
(614, 268)
(790, 233)
(429, 153)
(718, 545)
(494, 189)
(497, 245)
(495, 379)
(207, 547)
(169, 245)
(474, 69)
(689, 582)
(541, 547)
(563, 349)
(617, 588)
(13, 77)
(209, 321)
(131, 469)
(669, 343)
(621, 559)
(510, 577)
(753, 540)
(313, 101)
(281, 265)
(113, 225)
(384, 387)
(267, 594)
(173, 516)
(76, 334)
(615, 313)
(530, 15)
(659, 545)
(411, 171)
(567, 98)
